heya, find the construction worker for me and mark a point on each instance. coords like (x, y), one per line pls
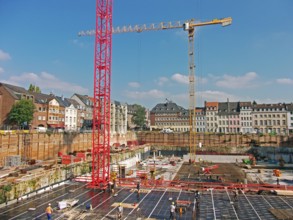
(172, 211)
(138, 186)
(120, 211)
(49, 211)
(235, 194)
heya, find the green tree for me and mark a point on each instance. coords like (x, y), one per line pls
(138, 117)
(22, 112)
(34, 88)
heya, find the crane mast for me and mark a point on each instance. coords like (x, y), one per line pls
(102, 95)
(102, 82)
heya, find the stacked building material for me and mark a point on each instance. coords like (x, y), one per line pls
(13, 161)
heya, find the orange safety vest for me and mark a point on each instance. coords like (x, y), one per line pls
(49, 210)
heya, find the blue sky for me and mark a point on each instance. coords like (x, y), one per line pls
(250, 60)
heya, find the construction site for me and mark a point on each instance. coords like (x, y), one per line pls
(146, 179)
(145, 174)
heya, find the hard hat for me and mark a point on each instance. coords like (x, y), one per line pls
(172, 203)
(120, 203)
(49, 204)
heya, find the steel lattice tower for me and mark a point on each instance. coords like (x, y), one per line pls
(102, 95)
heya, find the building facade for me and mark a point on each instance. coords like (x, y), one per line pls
(246, 117)
(211, 109)
(270, 118)
(169, 115)
(10, 94)
(118, 117)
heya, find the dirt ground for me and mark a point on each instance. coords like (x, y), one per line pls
(225, 172)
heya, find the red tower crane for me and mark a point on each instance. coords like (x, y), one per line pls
(102, 95)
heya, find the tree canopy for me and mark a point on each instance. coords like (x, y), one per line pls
(138, 117)
(34, 88)
(22, 112)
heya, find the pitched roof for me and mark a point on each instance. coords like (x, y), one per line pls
(228, 108)
(85, 99)
(269, 106)
(69, 102)
(41, 98)
(168, 107)
(245, 104)
(15, 91)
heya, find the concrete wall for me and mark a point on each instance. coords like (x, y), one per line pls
(43, 146)
(215, 141)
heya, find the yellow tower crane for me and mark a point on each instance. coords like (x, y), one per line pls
(188, 26)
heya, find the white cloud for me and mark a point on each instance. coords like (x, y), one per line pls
(47, 81)
(177, 77)
(228, 81)
(216, 96)
(183, 79)
(134, 84)
(285, 81)
(4, 56)
(1, 70)
(162, 80)
(151, 94)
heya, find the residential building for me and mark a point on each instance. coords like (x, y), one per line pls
(200, 119)
(211, 116)
(118, 117)
(169, 115)
(71, 115)
(270, 118)
(228, 117)
(289, 108)
(10, 94)
(86, 109)
(56, 113)
(245, 117)
(41, 110)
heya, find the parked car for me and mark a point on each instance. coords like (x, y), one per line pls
(40, 129)
(166, 131)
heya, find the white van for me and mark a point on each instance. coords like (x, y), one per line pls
(40, 129)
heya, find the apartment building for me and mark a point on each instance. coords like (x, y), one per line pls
(270, 118)
(169, 115)
(56, 113)
(289, 108)
(118, 117)
(246, 117)
(200, 119)
(10, 94)
(41, 110)
(71, 115)
(211, 116)
(85, 106)
(228, 117)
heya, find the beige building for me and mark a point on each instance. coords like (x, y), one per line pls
(211, 116)
(169, 115)
(118, 118)
(270, 118)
